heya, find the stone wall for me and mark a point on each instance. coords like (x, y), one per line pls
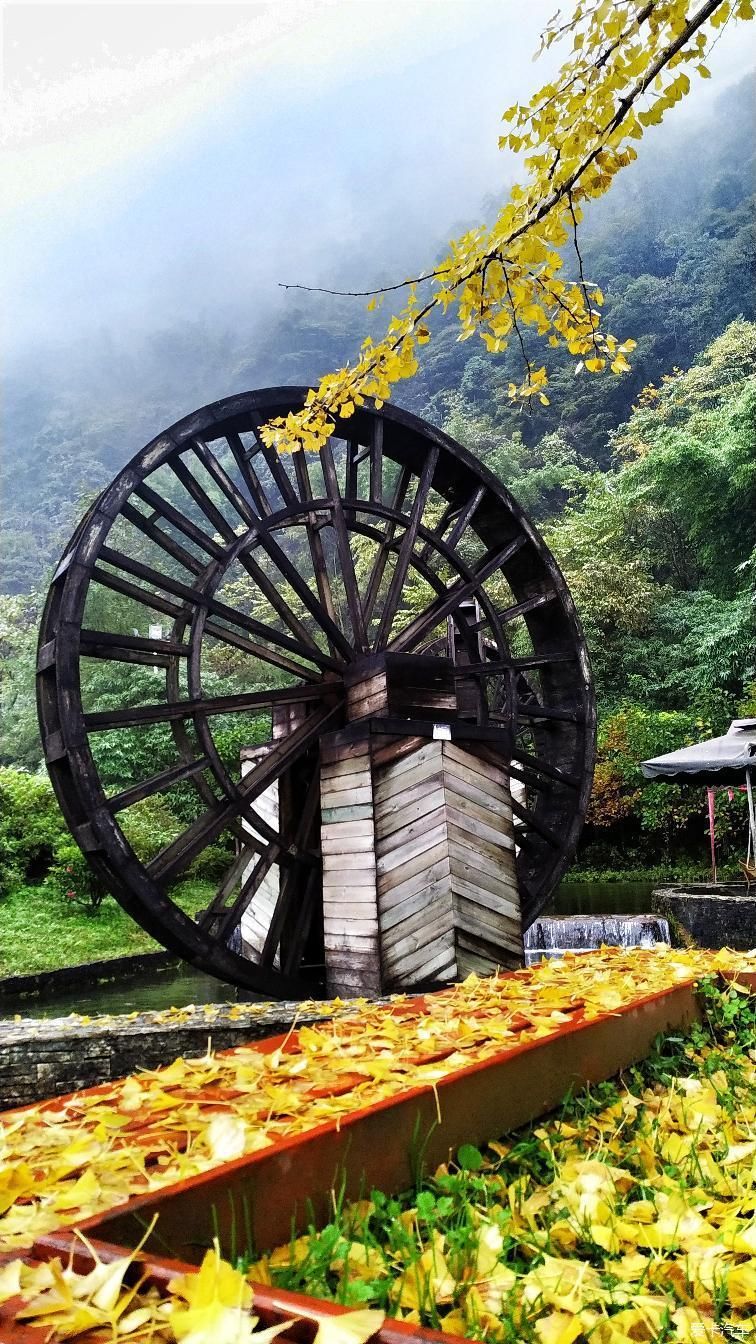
(723, 916)
(44, 1058)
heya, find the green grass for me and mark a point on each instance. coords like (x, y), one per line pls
(661, 874)
(367, 1251)
(43, 932)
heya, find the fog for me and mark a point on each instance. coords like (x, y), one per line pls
(171, 162)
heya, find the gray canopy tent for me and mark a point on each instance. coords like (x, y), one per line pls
(720, 761)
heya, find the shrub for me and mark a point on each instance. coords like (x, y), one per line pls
(151, 824)
(71, 878)
(31, 828)
(36, 846)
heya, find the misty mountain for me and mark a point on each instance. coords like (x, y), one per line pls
(671, 246)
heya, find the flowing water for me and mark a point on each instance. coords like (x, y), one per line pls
(552, 937)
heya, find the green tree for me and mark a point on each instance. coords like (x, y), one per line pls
(659, 551)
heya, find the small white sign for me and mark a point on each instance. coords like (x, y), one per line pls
(442, 730)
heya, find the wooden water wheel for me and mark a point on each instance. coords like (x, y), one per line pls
(241, 594)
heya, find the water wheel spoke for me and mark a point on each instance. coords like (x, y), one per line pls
(176, 857)
(532, 822)
(163, 582)
(153, 601)
(163, 508)
(248, 623)
(223, 481)
(278, 602)
(533, 709)
(130, 648)
(399, 576)
(452, 598)
(156, 784)
(265, 654)
(265, 831)
(376, 461)
(459, 516)
(101, 720)
(295, 944)
(530, 778)
(465, 517)
(524, 841)
(286, 751)
(428, 550)
(150, 529)
(274, 464)
(535, 660)
(249, 475)
(350, 481)
(196, 597)
(230, 917)
(545, 767)
(503, 666)
(522, 608)
(233, 873)
(291, 882)
(343, 549)
(315, 543)
(220, 523)
(305, 594)
(387, 543)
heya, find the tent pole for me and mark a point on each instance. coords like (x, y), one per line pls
(751, 817)
(710, 801)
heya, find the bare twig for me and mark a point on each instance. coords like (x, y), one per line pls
(515, 324)
(581, 273)
(365, 293)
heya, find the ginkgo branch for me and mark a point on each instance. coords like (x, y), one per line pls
(575, 143)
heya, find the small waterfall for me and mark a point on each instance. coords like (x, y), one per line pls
(552, 936)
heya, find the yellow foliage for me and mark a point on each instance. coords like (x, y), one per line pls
(59, 1166)
(211, 1305)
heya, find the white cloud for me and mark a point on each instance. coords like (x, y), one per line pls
(88, 87)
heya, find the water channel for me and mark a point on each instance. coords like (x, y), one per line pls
(177, 987)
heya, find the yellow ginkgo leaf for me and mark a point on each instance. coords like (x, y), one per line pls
(10, 1279)
(559, 1327)
(565, 1284)
(741, 1285)
(226, 1137)
(350, 1327)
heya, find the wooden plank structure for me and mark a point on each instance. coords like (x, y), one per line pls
(388, 585)
(419, 880)
(417, 837)
(257, 916)
(351, 934)
(446, 861)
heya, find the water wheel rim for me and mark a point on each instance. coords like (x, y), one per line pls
(531, 572)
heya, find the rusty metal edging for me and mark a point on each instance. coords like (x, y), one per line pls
(286, 1186)
(271, 1305)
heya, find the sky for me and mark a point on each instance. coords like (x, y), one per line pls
(166, 161)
